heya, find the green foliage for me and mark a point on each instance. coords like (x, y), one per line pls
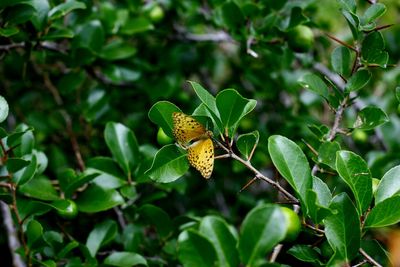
(90, 176)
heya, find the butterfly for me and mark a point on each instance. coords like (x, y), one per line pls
(193, 136)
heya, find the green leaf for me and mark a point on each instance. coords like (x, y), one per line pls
(370, 117)
(109, 175)
(63, 9)
(40, 19)
(157, 217)
(218, 232)
(7, 32)
(318, 200)
(169, 164)
(291, 163)
(96, 199)
(232, 16)
(40, 188)
(34, 232)
(19, 14)
(385, 213)
(372, 49)
(341, 60)
(70, 181)
(389, 185)
(353, 21)
(247, 142)
(327, 153)
(296, 17)
(209, 101)
(90, 35)
(56, 34)
(3, 109)
(24, 175)
(262, 229)
(358, 80)
(27, 141)
(119, 74)
(117, 49)
(161, 114)
(314, 83)
(304, 253)
(68, 248)
(349, 5)
(373, 12)
(398, 93)
(354, 171)
(125, 259)
(123, 146)
(195, 250)
(136, 25)
(16, 164)
(342, 229)
(29, 207)
(232, 108)
(101, 234)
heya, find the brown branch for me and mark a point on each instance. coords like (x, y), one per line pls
(383, 27)
(340, 42)
(369, 258)
(8, 47)
(338, 119)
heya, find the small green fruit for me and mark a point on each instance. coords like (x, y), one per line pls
(162, 138)
(375, 183)
(300, 38)
(156, 14)
(360, 136)
(293, 224)
(68, 210)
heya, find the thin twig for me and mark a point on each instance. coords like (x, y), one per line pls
(380, 28)
(120, 216)
(275, 253)
(369, 258)
(338, 119)
(360, 263)
(340, 42)
(8, 47)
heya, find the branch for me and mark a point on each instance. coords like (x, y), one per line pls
(217, 36)
(8, 47)
(369, 258)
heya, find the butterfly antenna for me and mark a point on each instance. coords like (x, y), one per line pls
(248, 184)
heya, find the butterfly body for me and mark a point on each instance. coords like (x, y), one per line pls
(194, 137)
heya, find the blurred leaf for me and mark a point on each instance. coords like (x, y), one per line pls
(7, 32)
(327, 153)
(217, 231)
(354, 171)
(16, 164)
(245, 143)
(119, 74)
(389, 185)
(341, 60)
(304, 253)
(101, 234)
(3, 109)
(19, 14)
(320, 131)
(69, 247)
(397, 94)
(169, 164)
(195, 250)
(40, 188)
(232, 108)
(232, 15)
(296, 17)
(370, 117)
(284, 153)
(125, 259)
(262, 229)
(358, 80)
(157, 217)
(161, 114)
(342, 228)
(96, 199)
(63, 9)
(349, 5)
(34, 232)
(42, 8)
(385, 213)
(90, 35)
(61, 33)
(372, 49)
(117, 49)
(97, 105)
(314, 83)
(373, 12)
(136, 25)
(353, 21)
(123, 146)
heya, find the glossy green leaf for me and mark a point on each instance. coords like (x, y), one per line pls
(195, 250)
(161, 114)
(232, 108)
(389, 185)
(246, 143)
(157, 217)
(262, 229)
(349, 5)
(353, 21)
(358, 80)
(291, 163)
(373, 12)
(355, 172)
(68, 248)
(56, 34)
(117, 49)
(385, 213)
(71, 182)
(304, 253)
(16, 164)
(123, 146)
(327, 153)
(342, 228)
(318, 200)
(24, 175)
(169, 164)
(42, 8)
(218, 232)
(29, 207)
(3, 109)
(315, 84)
(136, 25)
(96, 199)
(101, 234)
(40, 188)
(27, 141)
(320, 131)
(125, 259)
(34, 232)
(370, 117)
(341, 60)
(109, 175)
(63, 9)
(372, 49)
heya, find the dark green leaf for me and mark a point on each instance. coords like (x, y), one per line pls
(262, 229)
(71, 182)
(24, 175)
(109, 175)
(136, 25)
(373, 12)
(56, 34)
(39, 188)
(27, 141)
(246, 143)
(358, 80)
(62, 9)
(353, 21)
(370, 117)
(372, 49)
(195, 250)
(161, 114)
(354, 171)
(157, 217)
(385, 213)
(16, 164)
(341, 60)
(232, 15)
(169, 164)
(327, 153)
(42, 8)
(296, 17)
(320, 131)
(7, 32)
(389, 185)
(125, 259)
(117, 49)
(34, 232)
(101, 234)
(314, 83)
(96, 199)
(123, 145)
(19, 14)
(342, 229)
(90, 35)
(304, 253)
(3, 109)
(218, 232)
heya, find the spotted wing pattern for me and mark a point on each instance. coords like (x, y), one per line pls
(201, 156)
(186, 128)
